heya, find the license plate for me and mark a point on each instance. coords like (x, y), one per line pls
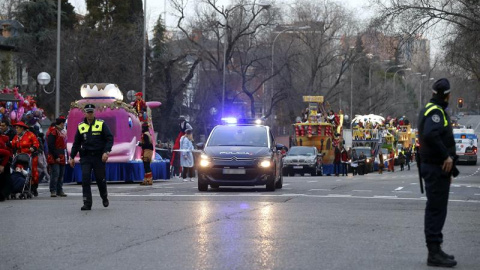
(298, 167)
(234, 171)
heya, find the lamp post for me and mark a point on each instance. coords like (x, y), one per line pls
(260, 4)
(57, 93)
(421, 86)
(144, 64)
(385, 80)
(394, 75)
(273, 48)
(43, 79)
(369, 56)
(416, 73)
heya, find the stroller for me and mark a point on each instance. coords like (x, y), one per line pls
(21, 177)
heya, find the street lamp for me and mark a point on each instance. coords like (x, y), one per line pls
(369, 56)
(43, 79)
(416, 73)
(144, 63)
(421, 86)
(260, 4)
(57, 93)
(385, 80)
(273, 47)
(394, 75)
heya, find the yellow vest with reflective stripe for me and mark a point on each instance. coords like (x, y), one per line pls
(96, 127)
(430, 107)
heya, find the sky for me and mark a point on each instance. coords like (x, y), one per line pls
(157, 7)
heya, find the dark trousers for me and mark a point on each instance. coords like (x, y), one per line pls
(408, 164)
(5, 185)
(345, 168)
(188, 170)
(336, 168)
(146, 167)
(437, 187)
(96, 164)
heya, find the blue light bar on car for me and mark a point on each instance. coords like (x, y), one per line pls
(229, 120)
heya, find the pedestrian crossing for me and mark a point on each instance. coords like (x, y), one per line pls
(295, 188)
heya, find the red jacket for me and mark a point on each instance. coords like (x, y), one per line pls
(344, 156)
(57, 143)
(23, 143)
(5, 152)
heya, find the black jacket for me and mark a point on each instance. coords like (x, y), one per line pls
(436, 139)
(88, 140)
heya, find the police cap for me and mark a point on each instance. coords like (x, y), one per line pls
(442, 87)
(89, 108)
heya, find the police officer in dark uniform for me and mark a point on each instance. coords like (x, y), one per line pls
(94, 141)
(437, 155)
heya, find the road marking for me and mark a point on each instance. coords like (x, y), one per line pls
(312, 181)
(319, 189)
(402, 191)
(359, 190)
(272, 195)
(398, 188)
(476, 194)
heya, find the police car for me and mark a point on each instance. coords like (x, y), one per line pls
(240, 153)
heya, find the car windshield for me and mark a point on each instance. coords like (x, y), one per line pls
(301, 151)
(255, 136)
(366, 151)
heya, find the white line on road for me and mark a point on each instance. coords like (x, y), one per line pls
(398, 188)
(319, 189)
(272, 195)
(339, 195)
(312, 181)
(359, 190)
(402, 191)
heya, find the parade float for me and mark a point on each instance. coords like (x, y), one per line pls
(321, 129)
(124, 162)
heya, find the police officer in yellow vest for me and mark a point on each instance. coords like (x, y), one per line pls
(437, 155)
(94, 141)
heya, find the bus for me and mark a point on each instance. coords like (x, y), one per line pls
(466, 143)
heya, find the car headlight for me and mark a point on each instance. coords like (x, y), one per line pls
(204, 161)
(265, 163)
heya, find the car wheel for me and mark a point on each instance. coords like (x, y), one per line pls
(320, 171)
(202, 186)
(302, 174)
(284, 172)
(271, 183)
(279, 183)
(291, 174)
(314, 171)
(214, 186)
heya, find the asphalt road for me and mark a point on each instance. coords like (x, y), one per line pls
(363, 222)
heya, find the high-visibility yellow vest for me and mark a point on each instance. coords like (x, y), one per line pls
(430, 107)
(96, 127)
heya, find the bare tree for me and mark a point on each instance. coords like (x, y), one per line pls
(215, 33)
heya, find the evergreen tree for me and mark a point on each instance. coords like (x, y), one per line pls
(110, 13)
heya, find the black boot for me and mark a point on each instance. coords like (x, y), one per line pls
(87, 205)
(34, 190)
(436, 257)
(105, 202)
(445, 255)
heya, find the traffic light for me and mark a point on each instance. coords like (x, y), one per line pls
(460, 103)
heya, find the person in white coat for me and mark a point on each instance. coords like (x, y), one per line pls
(186, 153)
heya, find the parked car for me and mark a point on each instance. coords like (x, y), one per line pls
(369, 161)
(303, 159)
